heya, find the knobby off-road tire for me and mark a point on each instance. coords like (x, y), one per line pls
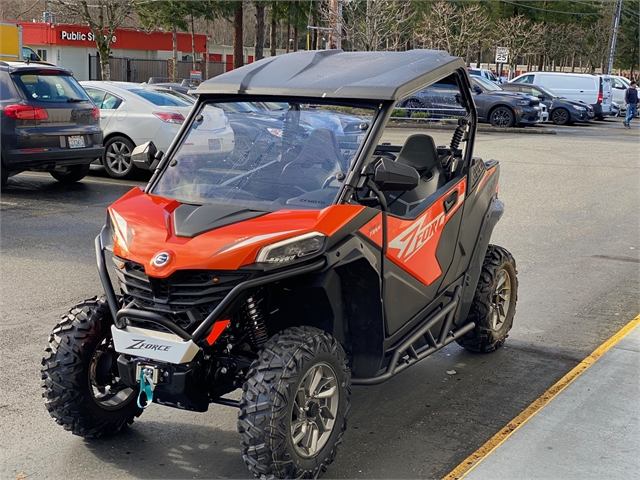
(300, 380)
(79, 375)
(494, 303)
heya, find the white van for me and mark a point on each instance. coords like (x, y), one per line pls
(592, 89)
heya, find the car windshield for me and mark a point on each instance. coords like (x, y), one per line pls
(486, 84)
(294, 158)
(164, 98)
(50, 88)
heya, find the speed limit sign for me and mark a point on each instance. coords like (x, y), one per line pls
(502, 54)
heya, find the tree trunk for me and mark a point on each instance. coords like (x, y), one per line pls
(315, 38)
(238, 55)
(206, 55)
(193, 45)
(259, 49)
(174, 72)
(273, 37)
(105, 66)
(295, 39)
(288, 37)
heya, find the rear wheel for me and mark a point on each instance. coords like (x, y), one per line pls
(82, 390)
(71, 174)
(494, 303)
(560, 116)
(502, 117)
(413, 105)
(117, 159)
(294, 405)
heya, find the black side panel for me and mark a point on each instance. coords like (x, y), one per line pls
(447, 248)
(192, 220)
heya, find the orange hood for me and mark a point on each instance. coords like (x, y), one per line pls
(144, 226)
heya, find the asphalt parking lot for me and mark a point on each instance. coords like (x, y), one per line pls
(571, 221)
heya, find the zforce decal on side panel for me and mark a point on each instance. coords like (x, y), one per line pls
(412, 245)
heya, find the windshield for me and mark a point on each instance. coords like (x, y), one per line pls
(294, 158)
(164, 98)
(486, 84)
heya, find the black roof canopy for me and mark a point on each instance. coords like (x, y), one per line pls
(337, 74)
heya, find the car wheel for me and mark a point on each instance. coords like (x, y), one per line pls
(502, 117)
(294, 406)
(560, 116)
(494, 302)
(71, 174)
(117, 158)
(413, 105)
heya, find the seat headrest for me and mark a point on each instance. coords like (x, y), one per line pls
(419, 151)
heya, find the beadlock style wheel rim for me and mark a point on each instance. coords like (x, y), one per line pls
(105, 387)
(315, 409)
(118, 157)
(501, 300)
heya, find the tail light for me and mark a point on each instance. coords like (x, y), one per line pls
(25, 112)
(599, 97)
(169, 117)
(95, 113)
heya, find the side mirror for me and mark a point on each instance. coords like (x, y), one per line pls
(542, 97)
(33, 57)
(393, 176)
(477, 89)
(146, 156)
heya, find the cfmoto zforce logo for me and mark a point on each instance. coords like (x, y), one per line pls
(161, 259)
(416, 236)
(144, 345)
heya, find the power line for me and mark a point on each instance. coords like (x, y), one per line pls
(550, 11)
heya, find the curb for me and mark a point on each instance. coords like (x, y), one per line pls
(421, 124)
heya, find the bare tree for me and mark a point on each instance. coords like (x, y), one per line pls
(102, 17)
(370, 23)
(521, 36)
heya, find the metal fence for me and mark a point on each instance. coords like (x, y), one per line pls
(124, 69)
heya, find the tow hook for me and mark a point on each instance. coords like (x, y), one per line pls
(148, 376)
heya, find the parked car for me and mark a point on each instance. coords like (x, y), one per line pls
(562, 111)
(182, 87)
(495, 106)
(132, 114)
(619, 87)
(484, 73)
(592, 89)
(48, 122)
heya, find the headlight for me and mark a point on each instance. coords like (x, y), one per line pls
(292, 248)
(122, 231)
(522, 102)
(580, 109)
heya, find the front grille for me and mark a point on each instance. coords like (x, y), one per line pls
(186, 297)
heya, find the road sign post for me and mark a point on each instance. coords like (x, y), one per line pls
(502, 56)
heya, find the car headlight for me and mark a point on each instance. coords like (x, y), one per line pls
(121, 230)
(292, 248)
(522, 102)
(580, 109)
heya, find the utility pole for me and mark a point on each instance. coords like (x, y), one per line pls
(335, 23)
(614, 34)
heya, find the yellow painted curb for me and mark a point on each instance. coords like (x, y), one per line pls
(476, 457)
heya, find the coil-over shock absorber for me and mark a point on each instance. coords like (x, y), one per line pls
(449, 162)
(256, 325)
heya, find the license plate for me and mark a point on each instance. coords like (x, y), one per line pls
(215, 144)
(77, 141)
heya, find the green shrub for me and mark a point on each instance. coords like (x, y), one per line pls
(420, 115)
(399, 112)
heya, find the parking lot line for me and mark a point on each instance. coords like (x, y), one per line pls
(494, 442)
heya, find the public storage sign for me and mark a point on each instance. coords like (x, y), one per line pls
(81, 36)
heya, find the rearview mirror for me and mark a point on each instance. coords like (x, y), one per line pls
(146, 156)
(393, 176)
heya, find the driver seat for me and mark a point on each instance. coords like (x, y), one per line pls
(318, 159)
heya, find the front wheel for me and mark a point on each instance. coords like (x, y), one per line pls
(294, 405)
(560, 116)
(71, 174)
(494, 303)
(502, 117)
(82, 390)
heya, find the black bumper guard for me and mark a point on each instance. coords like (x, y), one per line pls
(203, 330)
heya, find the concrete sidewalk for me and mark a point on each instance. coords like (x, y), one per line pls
(591, 429)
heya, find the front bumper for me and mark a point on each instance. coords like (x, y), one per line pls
(528, 115)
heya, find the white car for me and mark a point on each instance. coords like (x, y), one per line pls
(132, 114)
(620, 85)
